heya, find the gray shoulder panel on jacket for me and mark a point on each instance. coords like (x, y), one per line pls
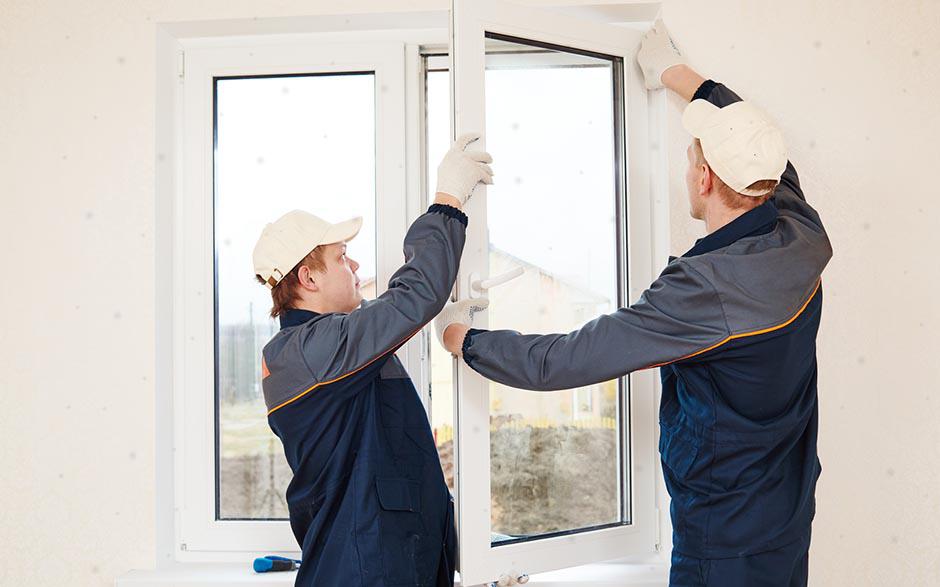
(763, 281)
(332, 346)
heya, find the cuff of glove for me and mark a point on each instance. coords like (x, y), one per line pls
(448, 211)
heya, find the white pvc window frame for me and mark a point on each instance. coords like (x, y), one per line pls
(482, 561)
(195, 430)
(389, 44)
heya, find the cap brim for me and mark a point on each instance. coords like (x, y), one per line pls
(343, 231)
(696, 117)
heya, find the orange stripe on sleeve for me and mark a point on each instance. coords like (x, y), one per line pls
(322, 383)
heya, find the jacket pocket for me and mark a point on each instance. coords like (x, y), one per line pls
(401, 529)
(677, 452)
(401, 495)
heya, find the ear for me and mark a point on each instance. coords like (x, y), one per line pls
(307, 279)
(707, 181)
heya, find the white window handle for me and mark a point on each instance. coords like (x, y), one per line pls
(480, 286)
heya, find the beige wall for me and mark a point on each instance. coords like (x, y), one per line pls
(854, 85)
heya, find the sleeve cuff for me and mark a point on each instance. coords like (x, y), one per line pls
(448, 211)
(467, 341)
(704, 90)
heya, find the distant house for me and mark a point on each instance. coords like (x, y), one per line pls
(536, 302)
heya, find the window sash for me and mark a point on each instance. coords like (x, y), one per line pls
(481, 561)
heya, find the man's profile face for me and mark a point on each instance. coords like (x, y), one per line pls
(339, 284)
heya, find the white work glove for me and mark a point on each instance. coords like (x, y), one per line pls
(658, 52)
(460, 171)
(458, 313)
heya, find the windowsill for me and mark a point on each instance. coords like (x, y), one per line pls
(654, 574)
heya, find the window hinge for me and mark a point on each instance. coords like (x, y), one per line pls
(181, 65)
(425, 341)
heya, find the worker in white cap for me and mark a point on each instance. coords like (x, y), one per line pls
(368, 503)
(732, 326)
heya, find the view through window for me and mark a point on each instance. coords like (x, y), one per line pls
(282, 143)
(556, 457)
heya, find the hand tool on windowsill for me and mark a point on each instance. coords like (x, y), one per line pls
(271, 563)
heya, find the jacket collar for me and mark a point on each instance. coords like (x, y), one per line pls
(760, 220)
(294, 317)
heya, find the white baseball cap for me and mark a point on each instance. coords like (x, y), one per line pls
(286, 241)
(740, 143)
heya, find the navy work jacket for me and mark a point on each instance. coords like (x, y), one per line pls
(732, 324)
(368, 503)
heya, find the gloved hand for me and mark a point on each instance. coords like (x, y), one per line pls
(458, 313)
(658, 52)
(460, 171)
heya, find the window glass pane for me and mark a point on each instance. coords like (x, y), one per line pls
(282, 143)
(555, 457)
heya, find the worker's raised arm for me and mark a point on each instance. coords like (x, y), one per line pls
(678, 317)
(340, 344)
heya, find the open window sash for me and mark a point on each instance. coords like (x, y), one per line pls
(485, 555)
